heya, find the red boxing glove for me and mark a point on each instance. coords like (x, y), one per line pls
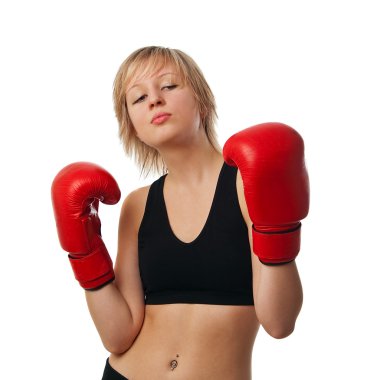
(270, 157)
(76, 191)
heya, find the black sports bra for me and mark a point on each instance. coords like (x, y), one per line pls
(215, 268)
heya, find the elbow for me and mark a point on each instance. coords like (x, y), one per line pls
(117, 346)
(121, 342)
(116, 349)
(279, 332)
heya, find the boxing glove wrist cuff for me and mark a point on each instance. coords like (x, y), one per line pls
(275, 264)
(94, 270)
(277, 247)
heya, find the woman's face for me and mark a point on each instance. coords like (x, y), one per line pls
(163, 109)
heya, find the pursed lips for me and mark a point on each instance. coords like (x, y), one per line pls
(160, 117)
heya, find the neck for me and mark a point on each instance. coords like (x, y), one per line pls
(190, 166)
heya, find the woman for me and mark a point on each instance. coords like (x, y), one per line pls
(187, 296)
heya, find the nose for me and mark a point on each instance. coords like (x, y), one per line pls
(155, 100)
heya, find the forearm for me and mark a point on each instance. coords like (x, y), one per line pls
(112, 318)
(278, 297)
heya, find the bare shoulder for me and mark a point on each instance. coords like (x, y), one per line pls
(132, 210)
(241, 197)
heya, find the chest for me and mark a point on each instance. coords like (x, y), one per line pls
(188, 212)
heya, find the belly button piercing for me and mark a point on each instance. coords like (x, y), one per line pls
(174, 363)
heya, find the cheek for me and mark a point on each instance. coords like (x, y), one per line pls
(136, 118)
(189, 107)
(136, 123)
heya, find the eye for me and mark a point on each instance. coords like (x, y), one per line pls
(170, 86)
(140, 99)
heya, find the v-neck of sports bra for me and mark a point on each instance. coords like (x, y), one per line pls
(208, 216)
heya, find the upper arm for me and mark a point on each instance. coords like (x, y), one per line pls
(127, 273)
(244, 211)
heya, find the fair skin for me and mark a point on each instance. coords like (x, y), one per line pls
(212, 341)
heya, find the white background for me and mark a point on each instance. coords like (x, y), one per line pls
(311, 64)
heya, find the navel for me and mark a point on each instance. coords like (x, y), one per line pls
(174, 363)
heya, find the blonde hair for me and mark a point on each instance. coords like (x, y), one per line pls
(150, 59)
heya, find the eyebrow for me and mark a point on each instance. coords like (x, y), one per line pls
(138, 84)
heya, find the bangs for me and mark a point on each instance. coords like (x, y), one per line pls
(146, 65)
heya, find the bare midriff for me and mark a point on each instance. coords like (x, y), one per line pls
(191, 341)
